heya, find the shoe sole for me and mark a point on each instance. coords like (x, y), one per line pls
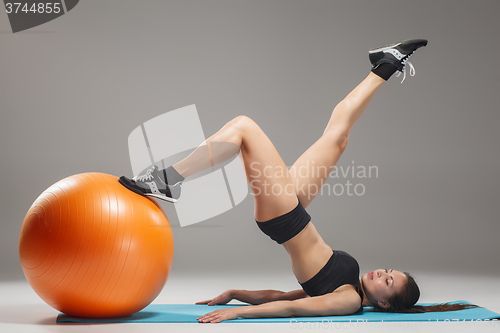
(164, 198)
(167, 199)
(390, 46)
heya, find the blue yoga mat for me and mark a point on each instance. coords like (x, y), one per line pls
(187, 313)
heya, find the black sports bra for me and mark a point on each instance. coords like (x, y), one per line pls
(340, 269)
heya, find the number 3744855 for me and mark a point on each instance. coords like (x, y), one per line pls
(35, 8)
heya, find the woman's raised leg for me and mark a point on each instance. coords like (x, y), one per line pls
(312, 168)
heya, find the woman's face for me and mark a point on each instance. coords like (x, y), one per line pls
(382, 284)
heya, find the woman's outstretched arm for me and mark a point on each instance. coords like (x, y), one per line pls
(337, 303)
(255, 297)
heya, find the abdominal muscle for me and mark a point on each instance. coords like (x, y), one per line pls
(308, 253)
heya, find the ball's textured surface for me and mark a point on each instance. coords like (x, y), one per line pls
(91, 248)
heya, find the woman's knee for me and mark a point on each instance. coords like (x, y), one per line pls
(244, 123)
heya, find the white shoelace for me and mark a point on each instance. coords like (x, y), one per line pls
(412, 69)
(147, 176)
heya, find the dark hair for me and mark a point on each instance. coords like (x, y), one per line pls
(404, 302)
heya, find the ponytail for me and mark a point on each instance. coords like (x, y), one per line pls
(404, 302)
(437, 308)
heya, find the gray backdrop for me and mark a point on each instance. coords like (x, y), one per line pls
(73, 89)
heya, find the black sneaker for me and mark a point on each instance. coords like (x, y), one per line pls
(152, 185)
(396, 54)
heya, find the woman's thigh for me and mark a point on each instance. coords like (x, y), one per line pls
(271, 184)
(311, 170)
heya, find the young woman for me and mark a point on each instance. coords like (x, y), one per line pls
(329, 279)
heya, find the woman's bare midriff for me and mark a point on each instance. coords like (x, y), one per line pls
(308, 253)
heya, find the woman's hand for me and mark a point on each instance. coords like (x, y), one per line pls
(222, 299)
(219, 315)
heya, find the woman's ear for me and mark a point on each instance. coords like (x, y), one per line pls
(383, 304)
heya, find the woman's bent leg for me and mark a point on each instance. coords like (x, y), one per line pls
(272, 187)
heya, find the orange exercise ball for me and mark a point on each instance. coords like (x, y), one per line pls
(91, 248)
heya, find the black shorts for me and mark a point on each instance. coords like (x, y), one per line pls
(286, 226)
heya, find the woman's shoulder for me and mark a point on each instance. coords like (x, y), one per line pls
(350, 292)
(349, 297)
(348, 289)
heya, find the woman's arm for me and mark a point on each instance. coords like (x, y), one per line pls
(255, 297)
(333, 304)
(337, 303)
(293, 295)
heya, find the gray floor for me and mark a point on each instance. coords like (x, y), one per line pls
(21, 310)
